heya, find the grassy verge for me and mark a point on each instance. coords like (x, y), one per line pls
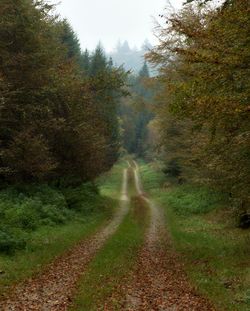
(47, 241)
(216, 253)
(110, 182)
(151, 176)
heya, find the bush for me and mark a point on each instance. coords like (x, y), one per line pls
(50, 214)
(10, 241)
(25, 208)
(46, 195)
(82, 198)
(152, 175)
(173, 169)
(23, 217)
(188, 200)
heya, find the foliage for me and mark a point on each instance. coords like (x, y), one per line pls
(173, 168)
(10, 241)
(151, 175)
(58, 105)
(189, 200)
(29, 251)
(204, 59)
(24, 209)
(135, 113)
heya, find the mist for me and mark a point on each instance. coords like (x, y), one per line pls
(113, 20)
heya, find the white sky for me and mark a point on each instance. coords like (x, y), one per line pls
(110, 20)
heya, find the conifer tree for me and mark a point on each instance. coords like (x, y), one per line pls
(58, 106)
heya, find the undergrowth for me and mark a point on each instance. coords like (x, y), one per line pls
(24, 209)
(39, 223)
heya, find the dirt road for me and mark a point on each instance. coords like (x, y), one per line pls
(158, 281)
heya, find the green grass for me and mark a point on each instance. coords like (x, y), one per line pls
(189, 200)
(88, 211)
(151, 175)
(215, 252)
(113, 262)
(110, 183)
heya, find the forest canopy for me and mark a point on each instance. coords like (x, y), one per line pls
(58, 107)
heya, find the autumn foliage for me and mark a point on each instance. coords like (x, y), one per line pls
(203, 107)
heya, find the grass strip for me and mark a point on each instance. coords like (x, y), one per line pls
(113, 263)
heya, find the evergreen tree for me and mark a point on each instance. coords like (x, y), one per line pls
(85, 62)
(57, 119)
(70, 40)
(144, 72)
(136, 115)
(28, 63)
(98, 62)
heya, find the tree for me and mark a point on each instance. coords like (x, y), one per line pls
(69, 40)
(58, 105)
(136, 114)
(27, 54)
(85, 62)
(98, 61)
(204, 59)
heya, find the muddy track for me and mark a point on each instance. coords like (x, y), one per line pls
(158, 281)
(54, 288)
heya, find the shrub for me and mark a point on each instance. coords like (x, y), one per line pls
(9, 242)
(173, 168)
(25, 208)
(81, 198)
(51, 214)
(46, 195)
(23, 216)
(188, 200)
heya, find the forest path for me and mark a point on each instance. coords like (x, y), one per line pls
(53, 289)
(158, 281)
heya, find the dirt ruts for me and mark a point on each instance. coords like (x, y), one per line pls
(158, 281)
(53, 289)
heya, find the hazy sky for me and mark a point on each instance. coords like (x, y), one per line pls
(110, 20)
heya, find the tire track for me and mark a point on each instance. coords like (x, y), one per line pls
(54, 288)
(158, 281)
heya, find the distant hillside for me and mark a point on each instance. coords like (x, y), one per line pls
(131, 59)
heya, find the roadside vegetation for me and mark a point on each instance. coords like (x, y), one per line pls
(203, 231)
(202, 105)
(41, 223)
(59, 131)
